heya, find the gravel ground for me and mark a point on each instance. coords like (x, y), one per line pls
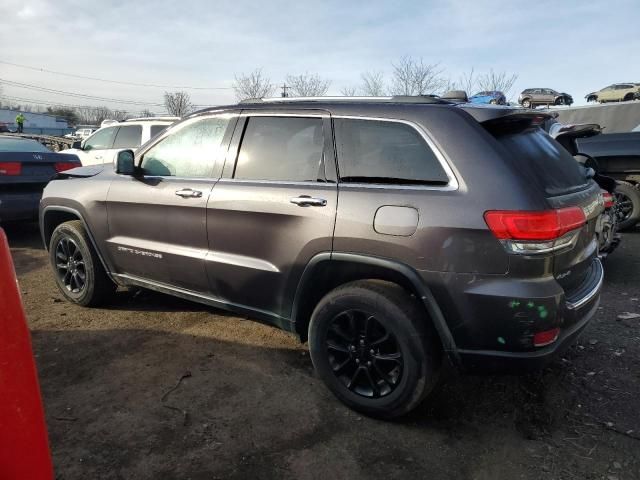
(249, 406)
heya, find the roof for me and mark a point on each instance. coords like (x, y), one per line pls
(152, 119)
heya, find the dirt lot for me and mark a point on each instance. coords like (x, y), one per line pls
(249, 405)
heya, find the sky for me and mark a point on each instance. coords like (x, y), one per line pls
(571, 46)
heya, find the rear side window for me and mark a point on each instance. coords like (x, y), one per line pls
(128, 137)
(101, 140)
(281, 148)
(543, 160)
(377, 151)
(156, 129)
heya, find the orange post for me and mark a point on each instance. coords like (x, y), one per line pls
(24, 447)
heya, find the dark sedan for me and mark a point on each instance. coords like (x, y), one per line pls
(26, 166)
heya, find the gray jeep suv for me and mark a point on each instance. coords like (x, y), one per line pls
(391, 234)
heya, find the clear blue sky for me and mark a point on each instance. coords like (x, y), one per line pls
(573, 46)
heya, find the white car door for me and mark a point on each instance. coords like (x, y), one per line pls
(93, 148)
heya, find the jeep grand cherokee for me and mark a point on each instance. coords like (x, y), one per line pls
(392, 234)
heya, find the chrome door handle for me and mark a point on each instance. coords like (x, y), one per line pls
(189, 193)
(307, 201)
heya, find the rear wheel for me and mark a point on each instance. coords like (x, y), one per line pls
(628, 97)
(627, 205)
(78, 272)
(526, 103)
(371, 345)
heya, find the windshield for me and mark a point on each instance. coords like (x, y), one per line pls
(21, 145)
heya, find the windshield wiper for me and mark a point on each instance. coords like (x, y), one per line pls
(391, 180)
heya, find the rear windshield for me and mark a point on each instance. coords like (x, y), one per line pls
(21, 145)
(545, 162)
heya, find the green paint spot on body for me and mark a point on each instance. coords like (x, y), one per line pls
(531, 304)
(501, 340)
(543, 314)
(514, 304)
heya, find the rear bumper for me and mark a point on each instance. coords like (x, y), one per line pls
(19, 206)
(493, 321)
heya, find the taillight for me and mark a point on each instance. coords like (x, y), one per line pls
(528, 232)
(547, 337)
(62, 166)
(10, 168)
(609, 200)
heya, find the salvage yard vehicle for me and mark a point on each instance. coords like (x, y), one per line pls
(618, 92)
(618, 156)
(492, 97)
(25, 168)
(532, 97)
(103, 145)
(365, 226)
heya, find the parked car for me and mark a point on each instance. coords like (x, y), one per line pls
(491, 97)
(81, 133)
(391, 234)
(532, 97)
(25, 168)
(618, 156)
(104, 144)
(617, 92)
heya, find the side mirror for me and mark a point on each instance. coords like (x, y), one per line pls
(77, 145)
(125, 163)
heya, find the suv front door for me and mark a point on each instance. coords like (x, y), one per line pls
(94, 147)
(157, 219)
(272, 211)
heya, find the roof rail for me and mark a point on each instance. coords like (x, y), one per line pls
(151, 119)
(388, 99)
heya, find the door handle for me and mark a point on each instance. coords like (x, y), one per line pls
(307, 201)
(98, 157)
(189, 193)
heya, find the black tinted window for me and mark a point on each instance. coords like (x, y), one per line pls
(156, 129)
(128, 137)
(281, 148)
(544, 161)
(385, 152)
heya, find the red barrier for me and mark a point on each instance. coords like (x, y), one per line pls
(24, 447)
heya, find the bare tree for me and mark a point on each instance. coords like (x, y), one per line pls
(120, 115)
(468, 82)
(252, 85)
(178, 104)
(500, 81)
(146, 113)
(373, 84)
(308, 85)
(349, 91)
(414, 77)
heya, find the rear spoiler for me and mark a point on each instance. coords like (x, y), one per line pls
(502, 120)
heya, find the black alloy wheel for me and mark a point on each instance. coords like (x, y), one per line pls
(365, 357)
(70, 265)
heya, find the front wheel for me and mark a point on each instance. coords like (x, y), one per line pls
(77, 270)
(372, 346)
(627, 205)
(526, 103)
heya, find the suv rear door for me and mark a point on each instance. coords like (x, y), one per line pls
(273, 209)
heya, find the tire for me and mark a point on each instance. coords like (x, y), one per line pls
(559, 101)
(380, 378)
(493, 102)
(526, 103)
(627, 205)
(628, 97)
(78, 272)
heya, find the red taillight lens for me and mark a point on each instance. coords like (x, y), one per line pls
(547, 337)
(609, 200)
(10, 168)
(62, 166)
(524, 225)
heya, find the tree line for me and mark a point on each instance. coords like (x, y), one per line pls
(407, 76)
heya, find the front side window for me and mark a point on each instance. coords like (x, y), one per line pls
(128, 136)
(378, 151)
(191, 151)
(157, 129)
(101, 140)
(281, 148)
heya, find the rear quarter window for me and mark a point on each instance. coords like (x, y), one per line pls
(544, 161)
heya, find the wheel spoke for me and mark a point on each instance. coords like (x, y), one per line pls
(340, 368)
(383, 376)
(388, 357)
(368, 326)
(337, 329)
(374, 385)
(381, 340)
(338, 348)
(354, 377)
